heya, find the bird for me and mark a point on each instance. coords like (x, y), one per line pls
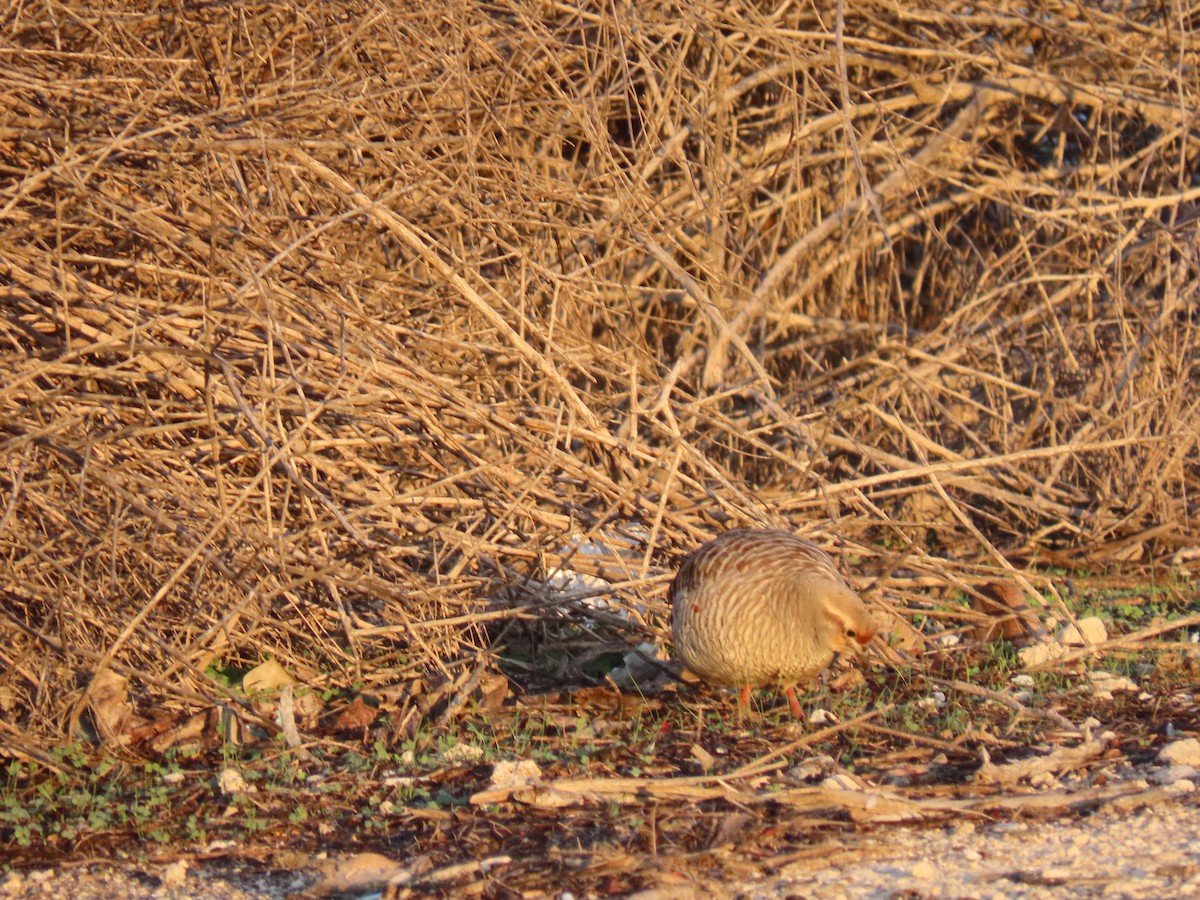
(755, 606)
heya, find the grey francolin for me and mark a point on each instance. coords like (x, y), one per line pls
(755, 607)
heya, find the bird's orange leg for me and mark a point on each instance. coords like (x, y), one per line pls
(793, 703)
(744, 699)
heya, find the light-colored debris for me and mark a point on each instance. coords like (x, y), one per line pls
(175, 874)
(1174, 774)
(702, 756)
(594, 563)
(1090, 631)
(1063, 759)
(287, 718)
(1184, 752)
(935, 700)
(462, 754)
(842, 781)
(812, 768)
(232, 782)
(449, 873)
(1037, 654)
(821, 716)
(509, 773)
(266, 677)
(364, 872)
(1105, 684)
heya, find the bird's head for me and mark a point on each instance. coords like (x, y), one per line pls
(847, 621)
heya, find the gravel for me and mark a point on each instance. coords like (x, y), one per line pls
(1154, 853)
(178, 880)
(1151, 853)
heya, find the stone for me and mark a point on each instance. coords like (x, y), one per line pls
(515, 773)
(1041, 653)
(1184, 752)
(924, 870)
(1107, 681)
(1091, 630)
(1172, 774)
(460, 754)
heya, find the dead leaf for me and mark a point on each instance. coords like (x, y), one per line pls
(265, 677)
(1010, 614)
(365, 872)
(108, 702)
(492, 691)
(358, 716)
(702, 756)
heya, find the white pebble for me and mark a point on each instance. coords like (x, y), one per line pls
(924, 870)
(1181, 753)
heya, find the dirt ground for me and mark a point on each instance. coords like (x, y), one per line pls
(1148, 853)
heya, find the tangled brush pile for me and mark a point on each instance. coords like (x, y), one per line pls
(321, 324)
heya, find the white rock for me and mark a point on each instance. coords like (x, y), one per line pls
(175, 874)
(1181, 753)
(1043, 781)
(813, 767)
(1025, 681)
(515, 773)
(1172, 774)
(1090, 631)
(925, 870)
(462, 753)
(1040, 653)
(1107, 682)
(231, 782)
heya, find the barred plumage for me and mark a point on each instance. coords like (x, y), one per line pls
(755, 607)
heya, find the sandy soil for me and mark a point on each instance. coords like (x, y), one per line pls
(1148, 853)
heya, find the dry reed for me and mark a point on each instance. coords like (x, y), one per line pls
(326, 326)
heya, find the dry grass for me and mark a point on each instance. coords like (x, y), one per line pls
(324, 326)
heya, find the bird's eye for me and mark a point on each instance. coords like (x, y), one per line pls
(851, 633)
